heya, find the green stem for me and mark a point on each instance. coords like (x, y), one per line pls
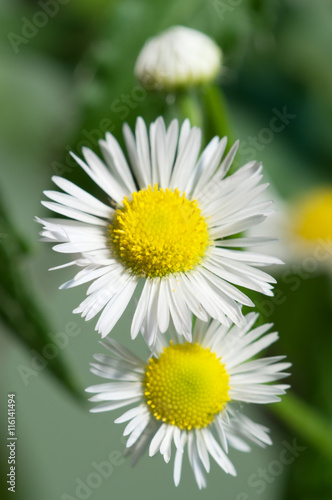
(190, 108)
(306, 421)
(217, 113)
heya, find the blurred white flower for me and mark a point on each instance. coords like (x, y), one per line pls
(304, 229)
(313, 215)
(176, 58)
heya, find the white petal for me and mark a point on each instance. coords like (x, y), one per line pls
(77, 192)
(206, 166)
(101, 177)
(163, 307)
(167, 441)
(250, 351)
(122, 352)
(73, 213)
(216, 452)
(202, 450)
(117, 161)
(179, 311)
(195, 462)
(150, 326)
(143, 150)
(128, 415)
(141, 310)
(115, 307)
(114, 405)
(178, 460)
(186, 159)
(157, 440)
(245, 242)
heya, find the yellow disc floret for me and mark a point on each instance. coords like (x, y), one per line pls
(159, 232)
(186, 386)
(313, 218)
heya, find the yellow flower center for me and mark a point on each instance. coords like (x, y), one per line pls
(313, 219)
(186, 386)
(159, 232)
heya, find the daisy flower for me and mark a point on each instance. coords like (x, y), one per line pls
(312, 218)
(167, 224)
(304, 227)
(187, 395)
(176, 58)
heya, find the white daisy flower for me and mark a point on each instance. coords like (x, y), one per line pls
(178, 57)
(168, 223)
(188, 394)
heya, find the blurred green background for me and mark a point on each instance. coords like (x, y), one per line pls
(65, 78)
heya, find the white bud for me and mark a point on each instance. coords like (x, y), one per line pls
(177, 58)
